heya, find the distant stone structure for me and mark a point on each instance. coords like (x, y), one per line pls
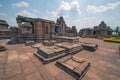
(74, 30)
(102, 30)
(14, 31)
(71, 32)
(61, 29)
(4, 30)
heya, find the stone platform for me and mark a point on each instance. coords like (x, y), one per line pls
(66, 39)
(76, 67)
(50, 53)
(19, 63)
(24, 39)
(89, 46)
(71, 48)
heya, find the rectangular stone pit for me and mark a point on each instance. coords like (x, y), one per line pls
(74, 66)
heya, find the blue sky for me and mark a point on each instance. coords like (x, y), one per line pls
(81, 13)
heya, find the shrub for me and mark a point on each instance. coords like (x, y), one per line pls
(112, 39)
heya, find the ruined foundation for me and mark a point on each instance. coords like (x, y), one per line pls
(50, 53)
(71, 48)
(90, 46)
(74, 66)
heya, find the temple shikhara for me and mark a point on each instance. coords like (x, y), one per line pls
(62, 29)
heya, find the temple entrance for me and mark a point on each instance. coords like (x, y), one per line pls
(33, 31)
(56, 29)
(27, 28)
(45, 31)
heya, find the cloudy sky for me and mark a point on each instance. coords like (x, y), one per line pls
(81, 13)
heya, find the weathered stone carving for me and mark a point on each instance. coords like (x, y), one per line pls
(61, 29)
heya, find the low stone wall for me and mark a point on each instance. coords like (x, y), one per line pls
(65, 39)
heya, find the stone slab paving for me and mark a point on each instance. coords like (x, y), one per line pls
(13, 68)
(19, 63)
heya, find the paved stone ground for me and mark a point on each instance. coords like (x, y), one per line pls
(19, 63)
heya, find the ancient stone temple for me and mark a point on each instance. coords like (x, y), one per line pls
(61, 29)
(102, 30)
(35, 29)
(4, 31)
(39, 28)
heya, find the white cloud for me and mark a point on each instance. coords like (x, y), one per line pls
(1, 5)
(103, 8)
(2, 14)
(86, 22)
(21, 4)
(53, 13)
(75, 4)
(65, 9)
(26, 13)
(67, 6)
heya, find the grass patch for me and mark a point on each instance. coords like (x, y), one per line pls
(112, 39)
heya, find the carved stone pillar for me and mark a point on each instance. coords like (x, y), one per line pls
(20, 25)
(38, 31)
(62, 29)
(51, 30)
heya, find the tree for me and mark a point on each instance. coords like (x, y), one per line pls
(117, 30)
